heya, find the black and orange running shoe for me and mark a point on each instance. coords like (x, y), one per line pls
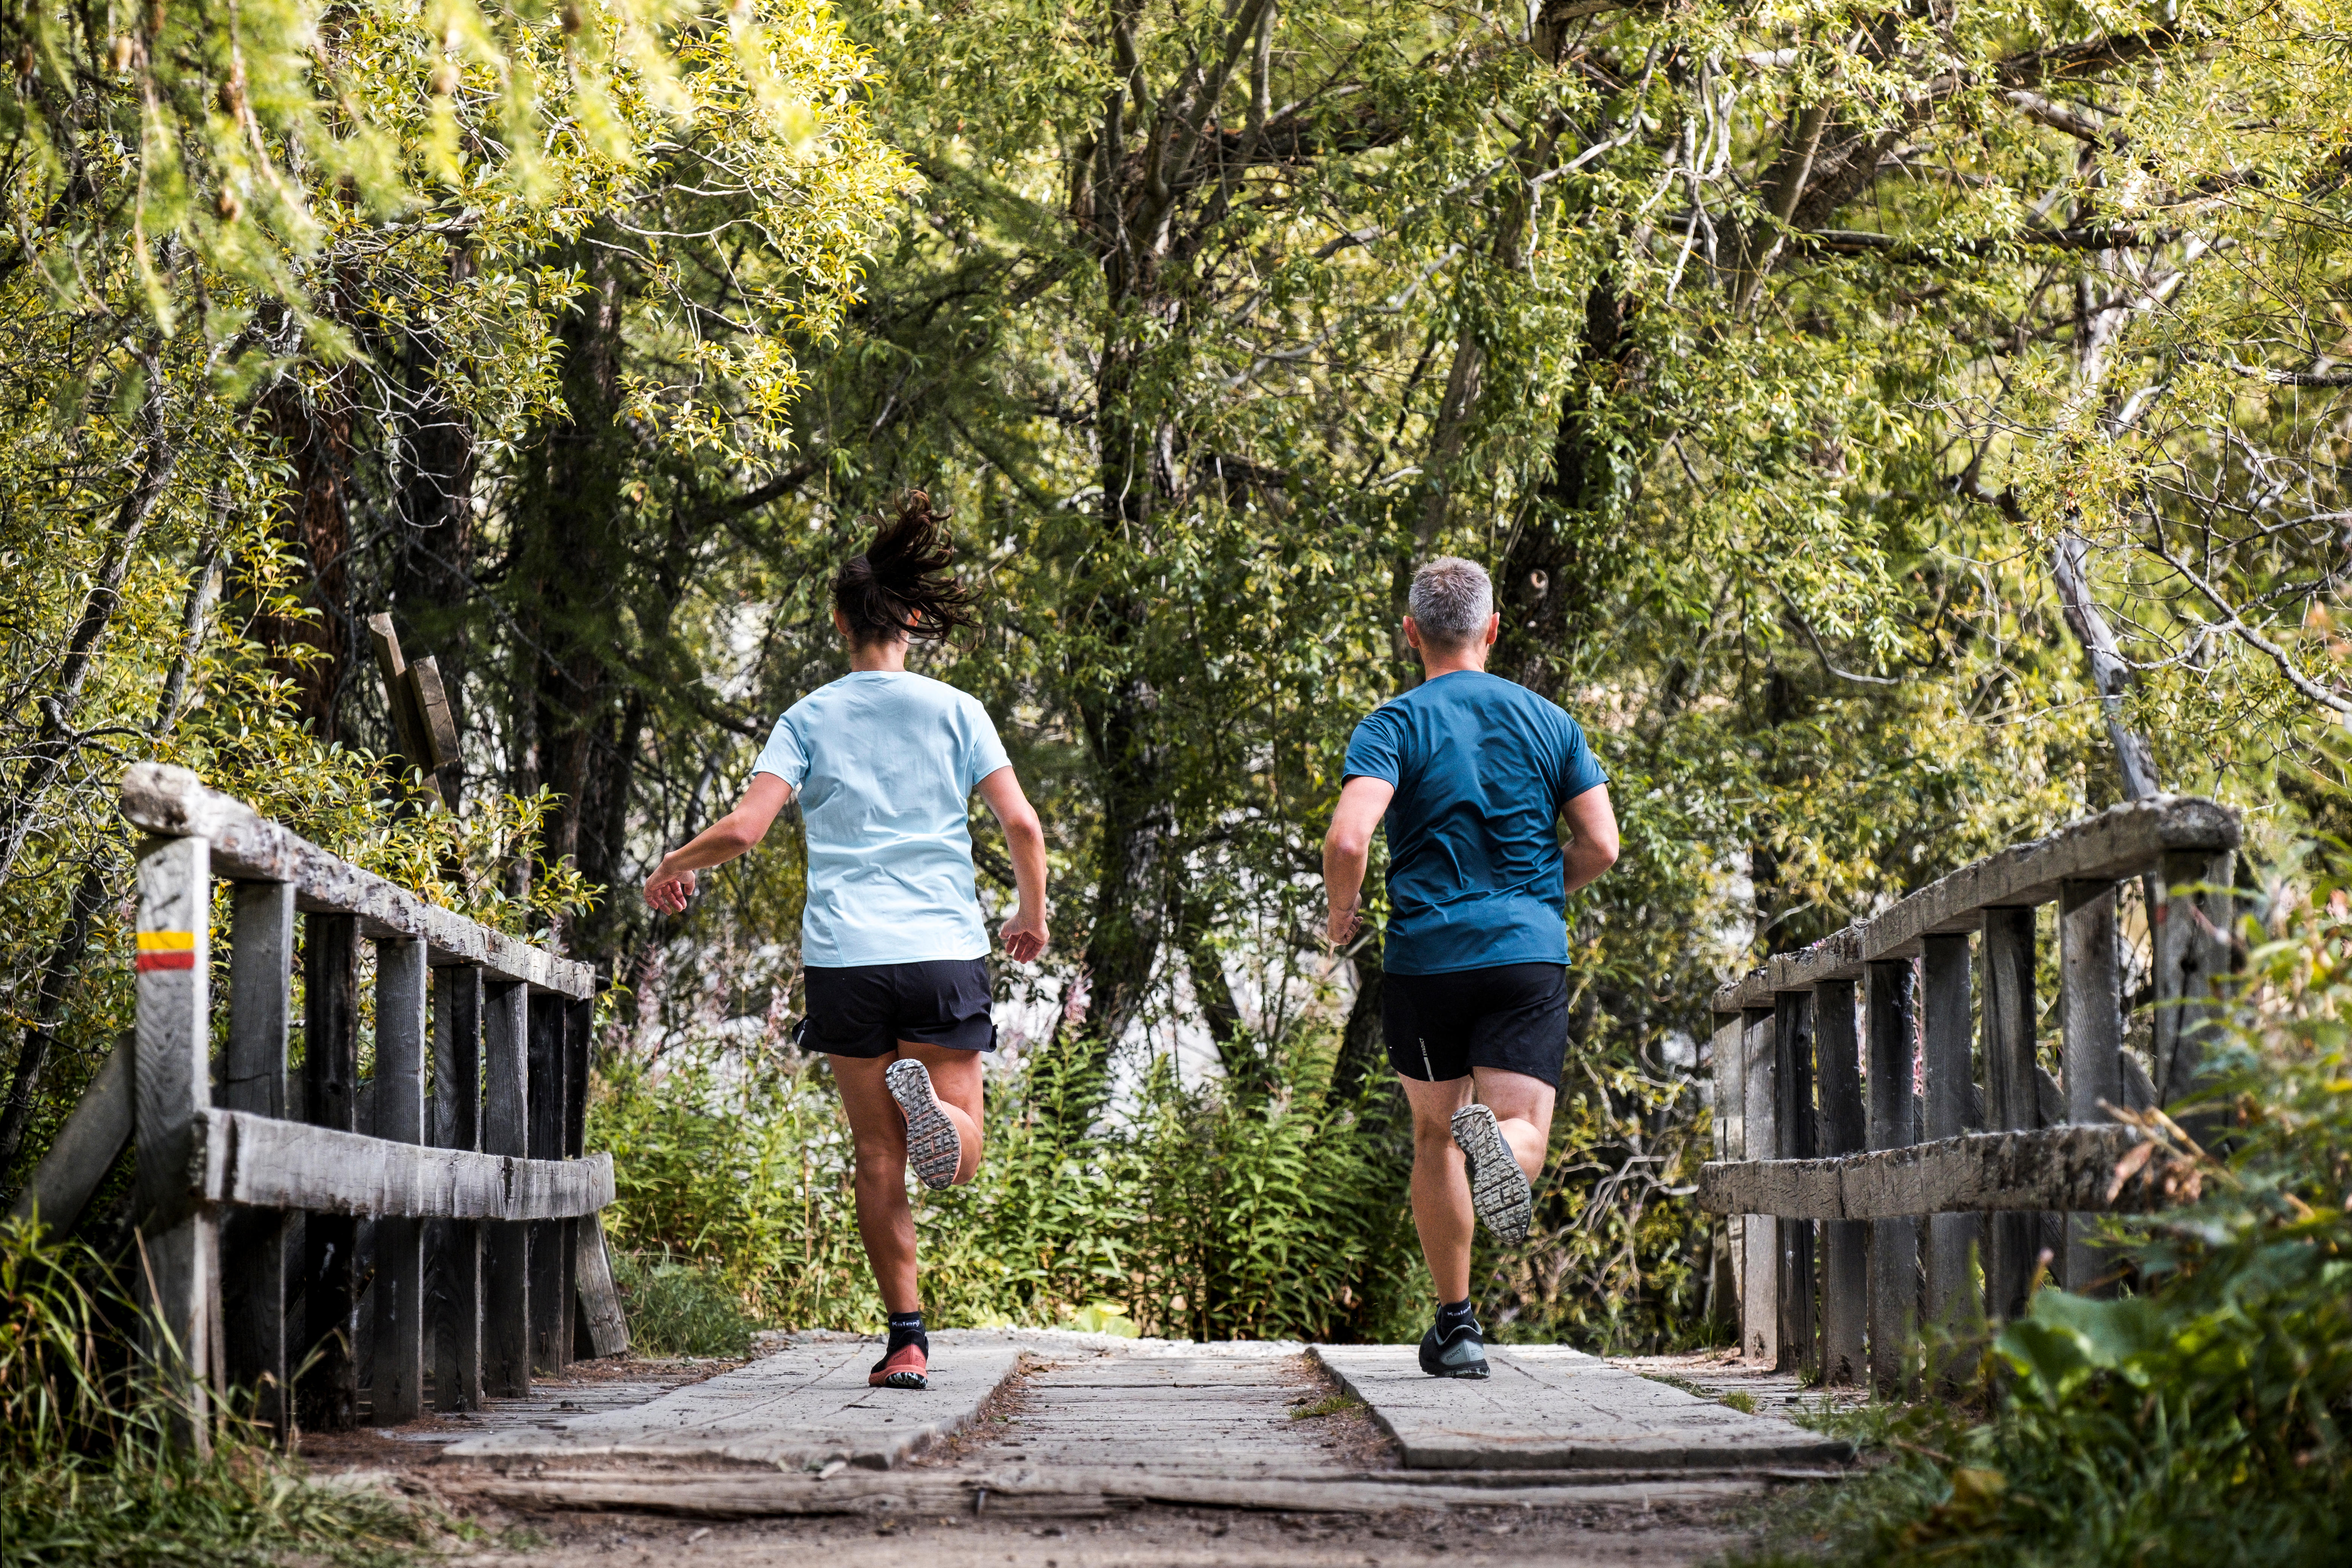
(906, 1367)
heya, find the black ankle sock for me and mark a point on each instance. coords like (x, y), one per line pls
(907, 1328)
(1452, 1315)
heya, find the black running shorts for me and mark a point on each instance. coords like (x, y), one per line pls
(1513, 1016)
(866, 1011)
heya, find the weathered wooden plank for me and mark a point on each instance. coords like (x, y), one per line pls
(1844, 1128)
(255, 1343)
(452, 1293)
(600, 1302)
(2192, 953)
(402, 987)
(171, 1084)
(1792, 1034)
(1945, 1062)
(401, 699)
(2122, 841)
(439, 729)
(1759, 1301)
(800, 1408)
(550, 1240)
(1731, 1143)
(247, 847)
(2090, 987)
(327, 1393)
(2014, 1172)
(1059, 1492)
(1891, 1033)
(2008, 1015)
(86, 1146)
(257, 1161)
(506, 1246)
(254, 1339)
(1548, 1408)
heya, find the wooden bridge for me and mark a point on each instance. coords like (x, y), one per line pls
(424, 1236)
(260, 1192)
(1878, 1151)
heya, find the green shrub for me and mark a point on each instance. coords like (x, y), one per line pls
(2207, 1419)
(680, 1309)
(89, 1473)
(1189, 1215)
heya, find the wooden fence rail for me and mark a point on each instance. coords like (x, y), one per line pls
(437, 1215)
(1881, 1115)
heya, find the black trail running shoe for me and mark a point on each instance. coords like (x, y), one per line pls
(1460, 1351)
(932, 1146)
(1499, 1188)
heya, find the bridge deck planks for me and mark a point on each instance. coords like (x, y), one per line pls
(1546, 1407)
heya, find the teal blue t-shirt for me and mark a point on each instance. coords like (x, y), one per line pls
(884, 763)
(1482, 767)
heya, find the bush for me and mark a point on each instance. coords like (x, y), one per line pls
(680, 1309)
(89, 1472)
(1192, 1214)
(2209, 1418)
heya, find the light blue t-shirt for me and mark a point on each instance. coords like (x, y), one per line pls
(884, 763)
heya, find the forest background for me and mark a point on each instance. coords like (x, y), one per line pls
(1893, 429)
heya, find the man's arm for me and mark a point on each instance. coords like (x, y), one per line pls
(1348, 849)
(672, 882)
(1594, 848)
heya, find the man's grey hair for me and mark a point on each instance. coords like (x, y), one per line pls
(1451, 601)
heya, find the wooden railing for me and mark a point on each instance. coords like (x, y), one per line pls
(1868, 1153)
(428, 1211)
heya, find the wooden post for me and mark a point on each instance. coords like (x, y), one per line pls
(506, 1251)
(2091, 996)
(1894, 1243)
(2009, 1016)
(1759, 1302)
(1844, 1128)
(453, 1295)
(179, 1237)
(2192, 953)
(578, 1028)
(1792, 1068)
(550, 1239)
(253, 1079)
(401, 982)
(1946, 1058)
(328, 1394)
(1727, 1263)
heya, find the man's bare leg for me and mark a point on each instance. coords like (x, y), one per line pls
(1522, 1107)
(1441, 1194)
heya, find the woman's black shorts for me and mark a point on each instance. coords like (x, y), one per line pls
(866, 1011)
(1513, 1016)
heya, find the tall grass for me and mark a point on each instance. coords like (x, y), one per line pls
(2206, 1416)
(1191, 1215)
(90, 1472)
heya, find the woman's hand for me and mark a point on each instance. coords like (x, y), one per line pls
(1025, 936)
(667, 890)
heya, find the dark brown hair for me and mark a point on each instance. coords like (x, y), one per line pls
(901, 586)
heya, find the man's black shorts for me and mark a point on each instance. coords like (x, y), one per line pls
(866, 1010)
(1513, 1016)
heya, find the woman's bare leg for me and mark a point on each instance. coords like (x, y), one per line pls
(877, 1130)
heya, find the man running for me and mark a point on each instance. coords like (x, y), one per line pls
(1473, 774)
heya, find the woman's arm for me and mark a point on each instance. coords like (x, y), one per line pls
(1025, 935)
(672, 882)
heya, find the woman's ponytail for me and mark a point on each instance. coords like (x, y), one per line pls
(901, 586)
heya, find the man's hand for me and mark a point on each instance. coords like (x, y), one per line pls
(1025, 937)
(1344, 922)
(667, 890)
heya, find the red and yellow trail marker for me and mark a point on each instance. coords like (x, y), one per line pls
(166, 950)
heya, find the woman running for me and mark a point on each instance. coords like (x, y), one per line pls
(892, 943)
